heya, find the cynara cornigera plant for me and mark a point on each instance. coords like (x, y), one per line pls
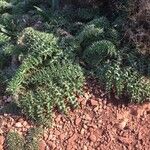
(46, 78)
(14, 141)
(119, 71)
(99, 52)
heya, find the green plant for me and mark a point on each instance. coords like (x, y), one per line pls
(94, 31)
(101, 22)
(4, 46)
(86, 14)
(123, 81)
(14, 141)
(113, 35)
(99, 52)
(90, 34)
(46, 78)
(32, 139)
(121, 71)
(3, 39)
(4, 6)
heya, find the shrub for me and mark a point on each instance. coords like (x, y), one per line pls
(4, 46)
(121, 72)
(3, 39)
(101, 22)
(99, 52)
(14, 141)
(123, 81)
(86, 14)
(46, 78)
(90, 34)
(32, 139)
(4, 6)
(112, 35)
(94, 31)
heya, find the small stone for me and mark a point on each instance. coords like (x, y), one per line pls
(45, 136)
(1, 131)
(125, 141)
(21, 120)
(77, 121)
(87, 95)
(104, 102)
(62, 136)
(25, 123)
(51, 144)
(28, 126)
(69, 147)
(96, 109)
(58, 119)
(47, 148)
(73, 138)
(88, 117)
(140, 136)
(104, 106)
(24, 129)
(4, 97)
(82, 131)
(123, 124)
(50, 137)
(93, 137)
(1, 147)
(18, 125)
(94, 102)
(2, 139)
(57, 132)
(8, 100)
(85, 147)
(42, 145)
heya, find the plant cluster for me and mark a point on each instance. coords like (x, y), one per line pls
(44, 49)
(14, 141)
(121, 72)
(46, 78)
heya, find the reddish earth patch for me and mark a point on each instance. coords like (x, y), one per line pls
(98, 124)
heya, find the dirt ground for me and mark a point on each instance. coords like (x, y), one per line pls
(98, 124)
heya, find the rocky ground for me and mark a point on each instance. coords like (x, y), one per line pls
(98, 124)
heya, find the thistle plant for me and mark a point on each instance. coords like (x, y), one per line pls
(46, 79)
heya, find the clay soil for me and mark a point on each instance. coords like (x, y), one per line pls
(98, 124)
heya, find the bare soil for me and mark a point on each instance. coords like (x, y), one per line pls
(98, 124)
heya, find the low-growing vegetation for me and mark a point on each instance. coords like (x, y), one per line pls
(14, 141)
(46, 53)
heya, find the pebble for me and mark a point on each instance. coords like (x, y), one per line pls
(8, 100)
(77, 121)
(51, 144)
(1, 131)
(62, 136)
(4, 97)
(82, 131)
(2, 139)
(18, 125)
(94, 102)
(1, 147)
(88, 117)
(42, 145)
(93, 137)
(123, 124)
(57, 132)
(85, 147)
(58, 118)
(96, 109)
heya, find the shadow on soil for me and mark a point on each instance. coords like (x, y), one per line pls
(95, 88)
(10, 108)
